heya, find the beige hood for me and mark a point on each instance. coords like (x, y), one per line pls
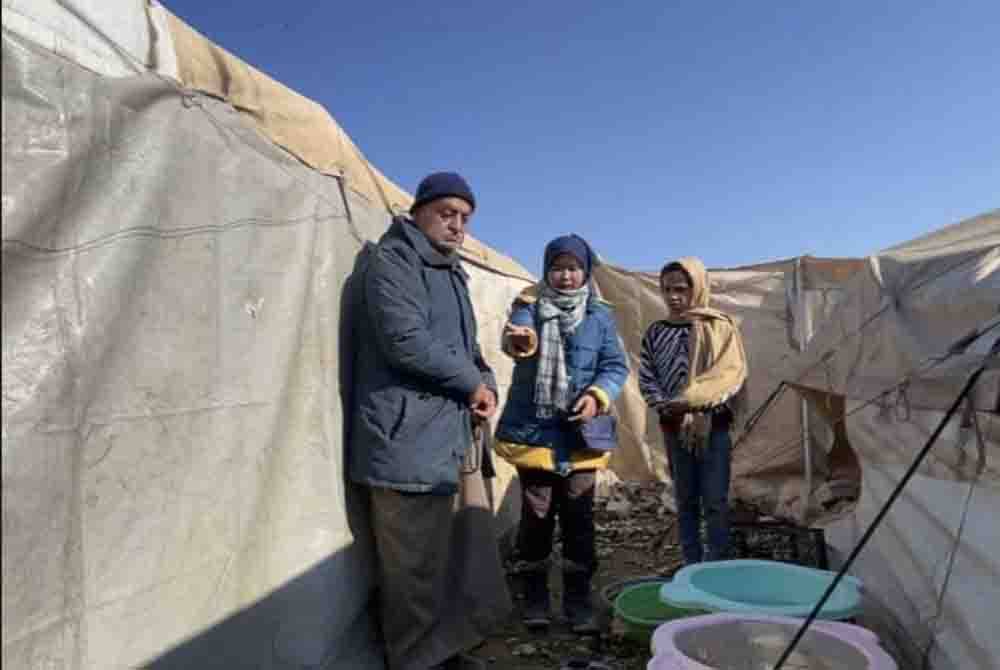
(718, 360)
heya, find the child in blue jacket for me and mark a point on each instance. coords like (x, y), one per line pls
(570, 367)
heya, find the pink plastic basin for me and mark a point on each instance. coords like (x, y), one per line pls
(756, 642)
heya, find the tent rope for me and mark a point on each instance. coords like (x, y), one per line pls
(760, 411)
(932, 625)
(980, 467)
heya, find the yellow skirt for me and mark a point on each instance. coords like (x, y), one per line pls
(543, 458)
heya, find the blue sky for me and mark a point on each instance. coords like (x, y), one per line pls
(736, 131)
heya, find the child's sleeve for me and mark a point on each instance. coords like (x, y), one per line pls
(649, 385)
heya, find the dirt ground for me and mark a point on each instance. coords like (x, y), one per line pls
(635, 538)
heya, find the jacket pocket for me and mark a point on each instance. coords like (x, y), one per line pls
(418, 413)
(382, 412)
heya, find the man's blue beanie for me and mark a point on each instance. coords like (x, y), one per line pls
(443, 185)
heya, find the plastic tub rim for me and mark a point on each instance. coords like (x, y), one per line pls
(639, 621)
(679, 592)
(861, 639)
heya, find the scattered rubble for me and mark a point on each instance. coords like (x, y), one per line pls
(646, 530)
(619, 507)
(524, 650)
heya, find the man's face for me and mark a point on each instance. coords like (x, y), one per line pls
(677, 292)
(443, 221)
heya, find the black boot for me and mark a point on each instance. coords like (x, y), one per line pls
(536, 596)
(576, 602)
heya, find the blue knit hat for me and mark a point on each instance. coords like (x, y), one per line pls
(443, 185)
(575, 246)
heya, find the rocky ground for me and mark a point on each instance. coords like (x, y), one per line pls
(635, 538)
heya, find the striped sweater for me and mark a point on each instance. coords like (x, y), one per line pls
(665, 363)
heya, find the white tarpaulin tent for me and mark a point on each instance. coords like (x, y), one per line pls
(178, 229)
(172, 370)
(898, 349)
(177, 232)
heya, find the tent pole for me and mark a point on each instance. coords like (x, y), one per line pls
(804, 324)
(807, 463)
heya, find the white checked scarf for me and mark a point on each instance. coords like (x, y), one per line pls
(559, 313)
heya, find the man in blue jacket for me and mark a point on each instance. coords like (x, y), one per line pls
(420, 381)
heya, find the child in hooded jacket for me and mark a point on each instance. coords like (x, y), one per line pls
(692, 366)
(569, 367)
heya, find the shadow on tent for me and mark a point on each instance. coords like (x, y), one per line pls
(316, 619)
(275, 632)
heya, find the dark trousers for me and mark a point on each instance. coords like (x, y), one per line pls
(701, 486)
(412, 538)
(546, 495)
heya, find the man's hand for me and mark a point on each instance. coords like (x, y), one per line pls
(483, 402)
(585, 408)
(520, 338)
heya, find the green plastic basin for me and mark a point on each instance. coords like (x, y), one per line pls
(640, 610)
